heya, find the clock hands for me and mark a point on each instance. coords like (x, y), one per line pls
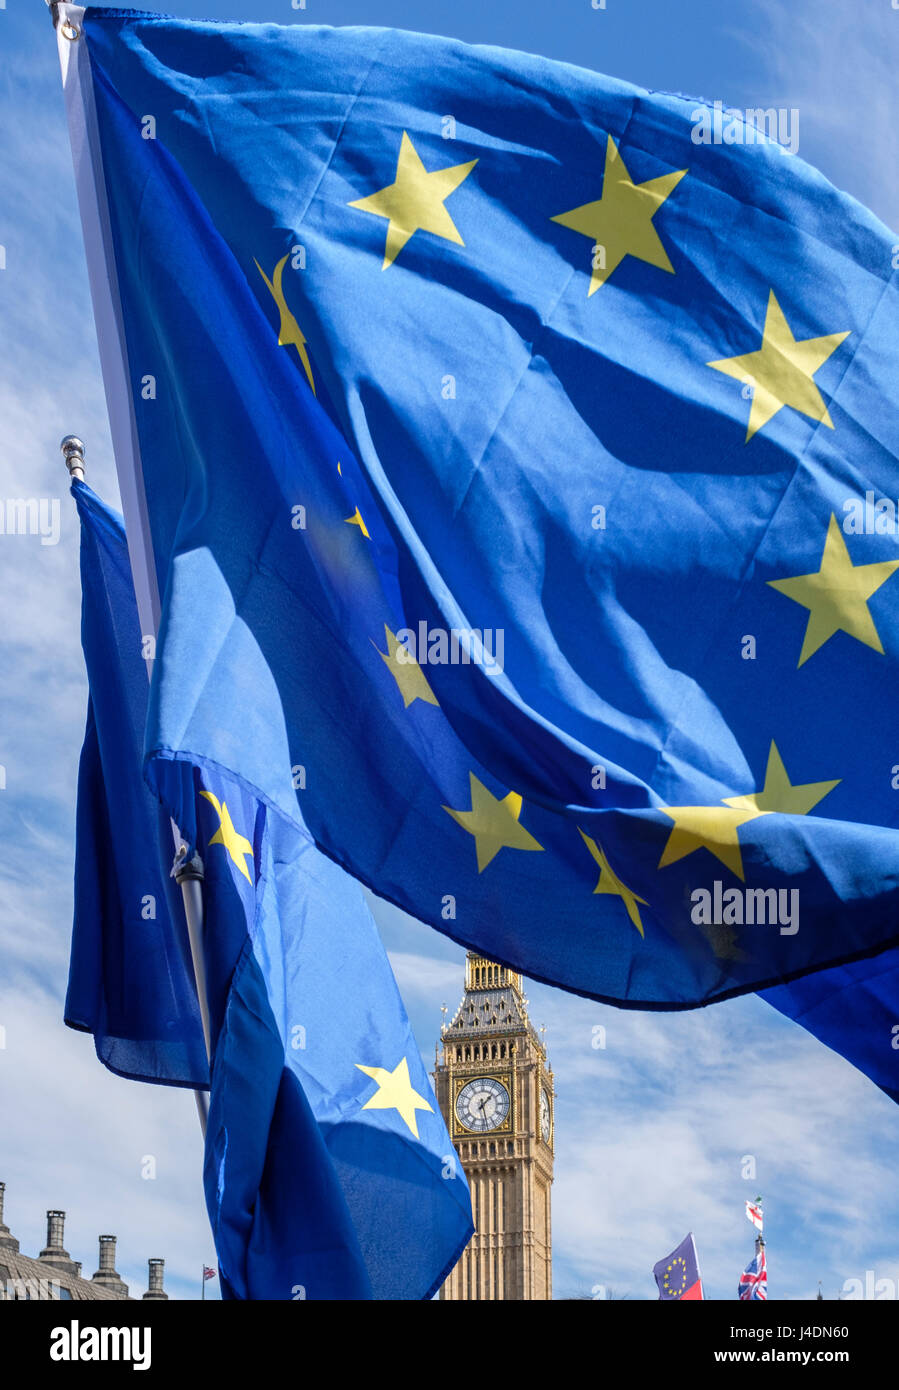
(482, 1104)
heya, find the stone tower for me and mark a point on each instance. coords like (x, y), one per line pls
(495, 1090)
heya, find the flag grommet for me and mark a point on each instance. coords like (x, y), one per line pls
(70, 31)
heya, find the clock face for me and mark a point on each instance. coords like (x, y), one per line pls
(482, 1104)
(546, 1121)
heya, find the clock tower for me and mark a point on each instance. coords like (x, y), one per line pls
(495, 1090)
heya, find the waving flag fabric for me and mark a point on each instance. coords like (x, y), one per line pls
(329, 1172)
(754, 1214)
(677, 1276)
(854, 1009)
(130, 977)
(754, 1279)
(505, 458)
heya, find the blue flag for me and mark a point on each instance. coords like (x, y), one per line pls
(517, 462)
(329, 1172)
(854, 1009)
(677, 1275)
(130, 977)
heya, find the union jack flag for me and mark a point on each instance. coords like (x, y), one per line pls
(754, 1279)
(209, 1273)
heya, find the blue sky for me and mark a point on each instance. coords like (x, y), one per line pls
(652, 1129)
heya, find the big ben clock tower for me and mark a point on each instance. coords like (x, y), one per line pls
(495, 1090)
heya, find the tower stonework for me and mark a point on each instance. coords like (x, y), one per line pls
(495, 1090)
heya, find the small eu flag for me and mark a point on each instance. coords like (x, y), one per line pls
(678, 1274)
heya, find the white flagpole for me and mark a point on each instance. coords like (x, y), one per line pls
(81, 114)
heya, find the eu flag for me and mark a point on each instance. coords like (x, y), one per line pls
(518, 470)
(677, 1275)
(853, 1010)
(329, 1173)
(130, 977)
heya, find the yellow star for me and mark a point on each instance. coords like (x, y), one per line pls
(238, 846)
(779, 794)
(706, 827)
(395, 1092)
(356, 520)
(493, 823)
(407, 673)
(782, 371)
(289, 333)
(609, 882)
(620, 222)
(837, 595)
(715, 827)
(414, 201)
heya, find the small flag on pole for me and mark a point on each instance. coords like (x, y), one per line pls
(754, 1279)
(754, 1213)
(209, 1273)
(677, 1275)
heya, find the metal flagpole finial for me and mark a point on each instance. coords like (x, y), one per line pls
(73, 453)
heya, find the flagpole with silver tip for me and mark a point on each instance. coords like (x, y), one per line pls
(187, 873)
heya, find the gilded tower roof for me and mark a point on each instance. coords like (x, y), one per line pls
(493, 1002)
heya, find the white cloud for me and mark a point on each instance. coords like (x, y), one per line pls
(836, 63)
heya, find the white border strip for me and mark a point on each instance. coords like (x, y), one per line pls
(74, 60)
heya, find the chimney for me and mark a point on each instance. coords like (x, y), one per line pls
(54, 1252)
(107, 1275)
(155, 1289)
(7, 1242)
